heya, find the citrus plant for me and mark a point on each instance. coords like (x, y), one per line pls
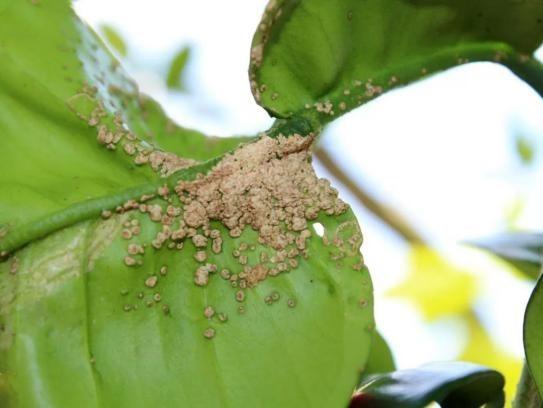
(146, 264)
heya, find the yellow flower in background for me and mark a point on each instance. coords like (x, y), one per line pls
(481, 349)
(435, 285)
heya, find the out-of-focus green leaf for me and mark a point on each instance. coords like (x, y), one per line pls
(323, 58)
(533, 335)
(523, 250)
(513, 212)
(381, 359)
(114, 39)
(174, 80)
(438, 287)
(525, 149)
(481, 349)
(451, 384)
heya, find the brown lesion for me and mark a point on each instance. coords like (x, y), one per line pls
(268, 187)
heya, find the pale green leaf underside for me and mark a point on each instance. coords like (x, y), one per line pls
(50, 157)
(347, 52)
(67, 342)
(65, 339)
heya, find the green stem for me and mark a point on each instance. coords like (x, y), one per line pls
(527, 393)
(385, 213)
(92, 208)
(363, 90)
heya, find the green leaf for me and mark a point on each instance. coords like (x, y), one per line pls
(320, 58)
(100, 305)
(525, 149)
(523, 250)
(452, 384)
(50, 157)
(114, 39)
(174, 80)
(381, 359)
(146, 117)
(66, 340)
(533, 335)
(59, 85)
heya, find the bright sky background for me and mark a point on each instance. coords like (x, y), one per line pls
(441, 151)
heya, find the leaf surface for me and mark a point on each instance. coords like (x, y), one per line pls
(452, 384)
(68, 341)
(381, 359)
(59, 85)
(95, 314)
(320, 58)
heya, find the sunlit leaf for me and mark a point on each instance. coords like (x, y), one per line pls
(88, 330)
(114, 39)
(435, 285)
(321, 58)
(114, 292)
(451, 384)
(174, 80)
(523, 250)
(49, 88)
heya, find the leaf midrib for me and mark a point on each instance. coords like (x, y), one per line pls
(92, 208)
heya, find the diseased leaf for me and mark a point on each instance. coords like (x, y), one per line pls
(66, 329)
(114, 39)
(135, 276)
(174, 80)
(321, 58)
(523, 250)
(452, 384)
(61, 90)
(50, 157)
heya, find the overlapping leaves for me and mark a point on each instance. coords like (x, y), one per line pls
(311, 61)
(79, 327)
(322, 58)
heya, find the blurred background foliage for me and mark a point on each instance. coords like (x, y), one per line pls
(451, 159)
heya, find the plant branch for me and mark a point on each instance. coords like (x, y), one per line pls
(91, 208)
(385, 213)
